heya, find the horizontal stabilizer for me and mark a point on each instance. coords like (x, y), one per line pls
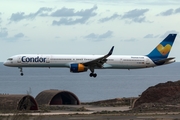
(164, 60)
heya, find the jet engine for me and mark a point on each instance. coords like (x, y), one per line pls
(77, 67)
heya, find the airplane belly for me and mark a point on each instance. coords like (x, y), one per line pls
(42, 65)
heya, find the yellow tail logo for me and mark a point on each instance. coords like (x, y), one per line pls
(164, 49)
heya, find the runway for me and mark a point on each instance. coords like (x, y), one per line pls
(92, 114)
(90, 110)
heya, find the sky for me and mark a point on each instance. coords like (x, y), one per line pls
(134, 27)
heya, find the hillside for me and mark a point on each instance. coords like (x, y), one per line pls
(163, 96)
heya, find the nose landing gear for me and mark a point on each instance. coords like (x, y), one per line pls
(21, 71)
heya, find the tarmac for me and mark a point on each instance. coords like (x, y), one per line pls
(90, 114)
(90, 110)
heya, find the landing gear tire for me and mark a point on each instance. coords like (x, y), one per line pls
(93, 75)
(21, 74)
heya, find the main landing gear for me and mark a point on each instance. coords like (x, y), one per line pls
(21, 71)
(93, 75)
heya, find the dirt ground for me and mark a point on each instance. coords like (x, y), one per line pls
(154, 116)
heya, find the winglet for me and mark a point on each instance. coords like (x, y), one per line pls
(111, 51)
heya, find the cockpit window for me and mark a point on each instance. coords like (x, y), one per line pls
(10, 58)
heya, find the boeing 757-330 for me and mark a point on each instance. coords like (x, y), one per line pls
(83, 63)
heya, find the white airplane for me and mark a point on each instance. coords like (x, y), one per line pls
(81, 63)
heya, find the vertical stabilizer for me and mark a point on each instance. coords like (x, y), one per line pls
(164, 48)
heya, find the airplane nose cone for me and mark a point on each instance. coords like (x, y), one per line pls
(5, 63)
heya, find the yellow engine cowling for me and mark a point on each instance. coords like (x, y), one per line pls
(77, 67)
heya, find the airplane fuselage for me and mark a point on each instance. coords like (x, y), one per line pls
(113, 61)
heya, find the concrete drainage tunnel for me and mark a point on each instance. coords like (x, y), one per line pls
(17, 102)
(46, 97)
(57, 97)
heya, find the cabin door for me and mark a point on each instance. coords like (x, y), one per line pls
(19, 59)
(48, 58)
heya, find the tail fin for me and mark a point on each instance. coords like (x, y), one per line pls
(164, 48)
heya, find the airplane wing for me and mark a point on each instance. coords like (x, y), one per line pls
(99, 61)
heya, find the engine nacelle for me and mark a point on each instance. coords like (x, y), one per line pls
(77, 67)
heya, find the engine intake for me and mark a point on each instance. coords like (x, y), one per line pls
(75, 68)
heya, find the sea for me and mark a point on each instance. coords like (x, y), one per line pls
(108, 84)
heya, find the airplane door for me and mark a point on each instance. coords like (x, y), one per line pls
(147, 61)
(48, 59)
(121, 60)
(19, 60)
